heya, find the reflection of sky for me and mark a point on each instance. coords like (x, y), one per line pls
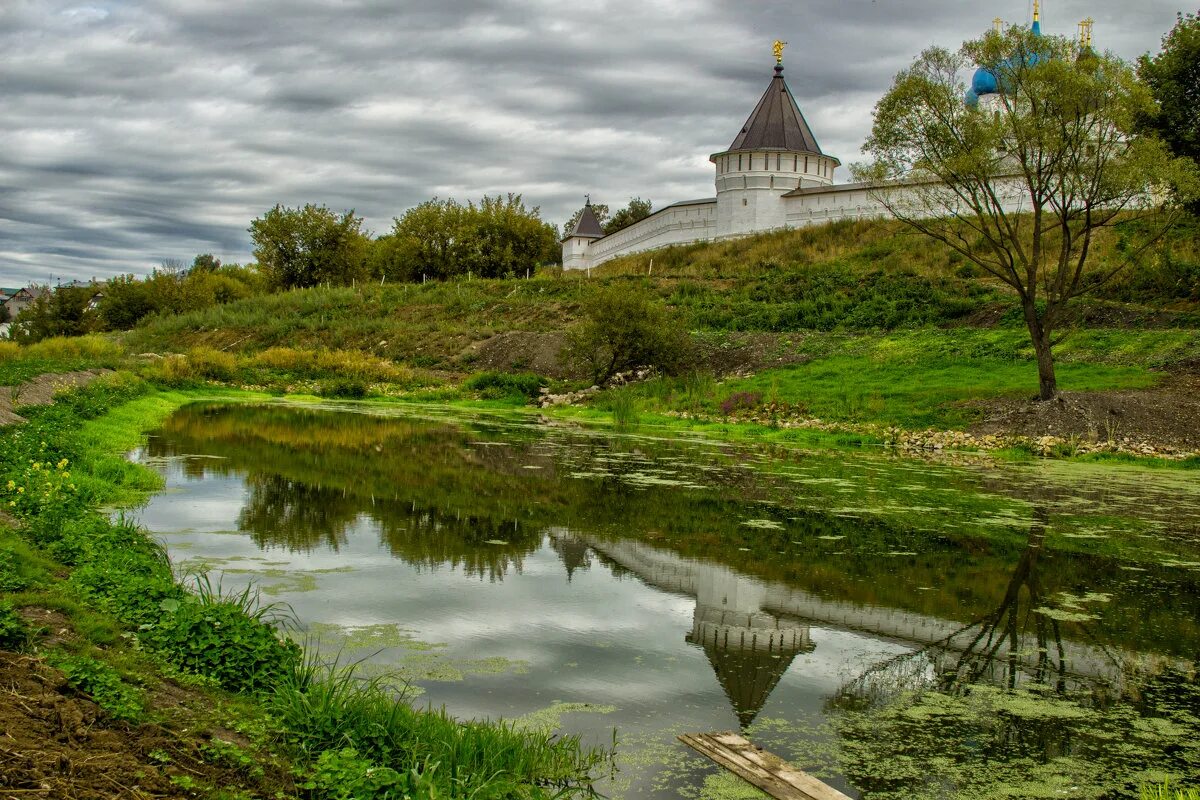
(598, 638)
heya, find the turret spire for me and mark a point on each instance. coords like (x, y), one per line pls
(1037, 18)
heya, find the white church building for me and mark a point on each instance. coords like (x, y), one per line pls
(773, 175)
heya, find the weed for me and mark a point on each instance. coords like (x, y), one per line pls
(227, 637)
(102, 683)
(219, 751)
(741, 401)
(11, 579)
(625, 408)
(14, 633)
(344, 775)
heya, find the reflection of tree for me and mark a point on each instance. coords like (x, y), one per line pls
(1002, 630)
(294, 515)
(992, 709)
(429, 537)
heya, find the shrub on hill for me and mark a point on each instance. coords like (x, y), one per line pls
(625, 327)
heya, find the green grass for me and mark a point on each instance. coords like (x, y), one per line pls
(927, 394)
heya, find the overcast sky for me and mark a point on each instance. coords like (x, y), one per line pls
(134, 131)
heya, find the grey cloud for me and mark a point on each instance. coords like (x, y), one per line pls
(137, 130)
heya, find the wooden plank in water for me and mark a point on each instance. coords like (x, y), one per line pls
(765, 770)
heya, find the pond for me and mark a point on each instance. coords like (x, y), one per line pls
(901, 628)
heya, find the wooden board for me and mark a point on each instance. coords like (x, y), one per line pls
(765, 770)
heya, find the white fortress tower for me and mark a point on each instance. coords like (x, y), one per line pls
(758, 177)
(774, 154)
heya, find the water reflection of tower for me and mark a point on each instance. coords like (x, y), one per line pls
(749, 648)
(573, 552)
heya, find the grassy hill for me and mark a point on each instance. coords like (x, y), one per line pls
(846, 277)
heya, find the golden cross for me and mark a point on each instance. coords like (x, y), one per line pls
(778, 48)
(998, 24)
(1036, 11)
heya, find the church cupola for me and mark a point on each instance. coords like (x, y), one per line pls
(774, 153)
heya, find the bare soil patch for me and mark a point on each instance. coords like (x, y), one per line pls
(41, 391)
(56, 743)
(1168, 415)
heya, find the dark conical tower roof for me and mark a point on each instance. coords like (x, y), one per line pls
(587, 226)
(776, 123)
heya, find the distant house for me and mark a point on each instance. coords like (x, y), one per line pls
(17, 300)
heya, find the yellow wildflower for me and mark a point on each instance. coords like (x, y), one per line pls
(12, 485)
(20, 490)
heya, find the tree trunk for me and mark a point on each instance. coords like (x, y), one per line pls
(1040, 334)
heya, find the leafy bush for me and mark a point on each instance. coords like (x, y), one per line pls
(500, 385)
(14, 633)
(11, 580)
(625, 327)
(102, 683)
(346, 388)
(226, 638)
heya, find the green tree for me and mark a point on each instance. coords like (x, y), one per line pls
(431, 240)
(62, 312)
(126, 300)
(206, 262)
(625, 327)
(1022, 192)
(443, 238)
(638, 209)
(299, 247)
(1174, 79)
(506, 237)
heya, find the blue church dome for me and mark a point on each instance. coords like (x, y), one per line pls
(971, 99)
(984, 82)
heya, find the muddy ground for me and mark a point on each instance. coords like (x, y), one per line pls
(1168, 414)
(56, 743)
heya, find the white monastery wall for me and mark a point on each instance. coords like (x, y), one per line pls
(682, 223)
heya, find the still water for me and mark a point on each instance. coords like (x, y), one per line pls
(899, 628)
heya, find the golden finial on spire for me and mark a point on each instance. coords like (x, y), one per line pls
(1037, 12)
(778, 48)
(998, 24)
(1087, 29)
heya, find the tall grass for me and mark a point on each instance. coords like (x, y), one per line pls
(324, 707)
(58, 354)
(1164, 791)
